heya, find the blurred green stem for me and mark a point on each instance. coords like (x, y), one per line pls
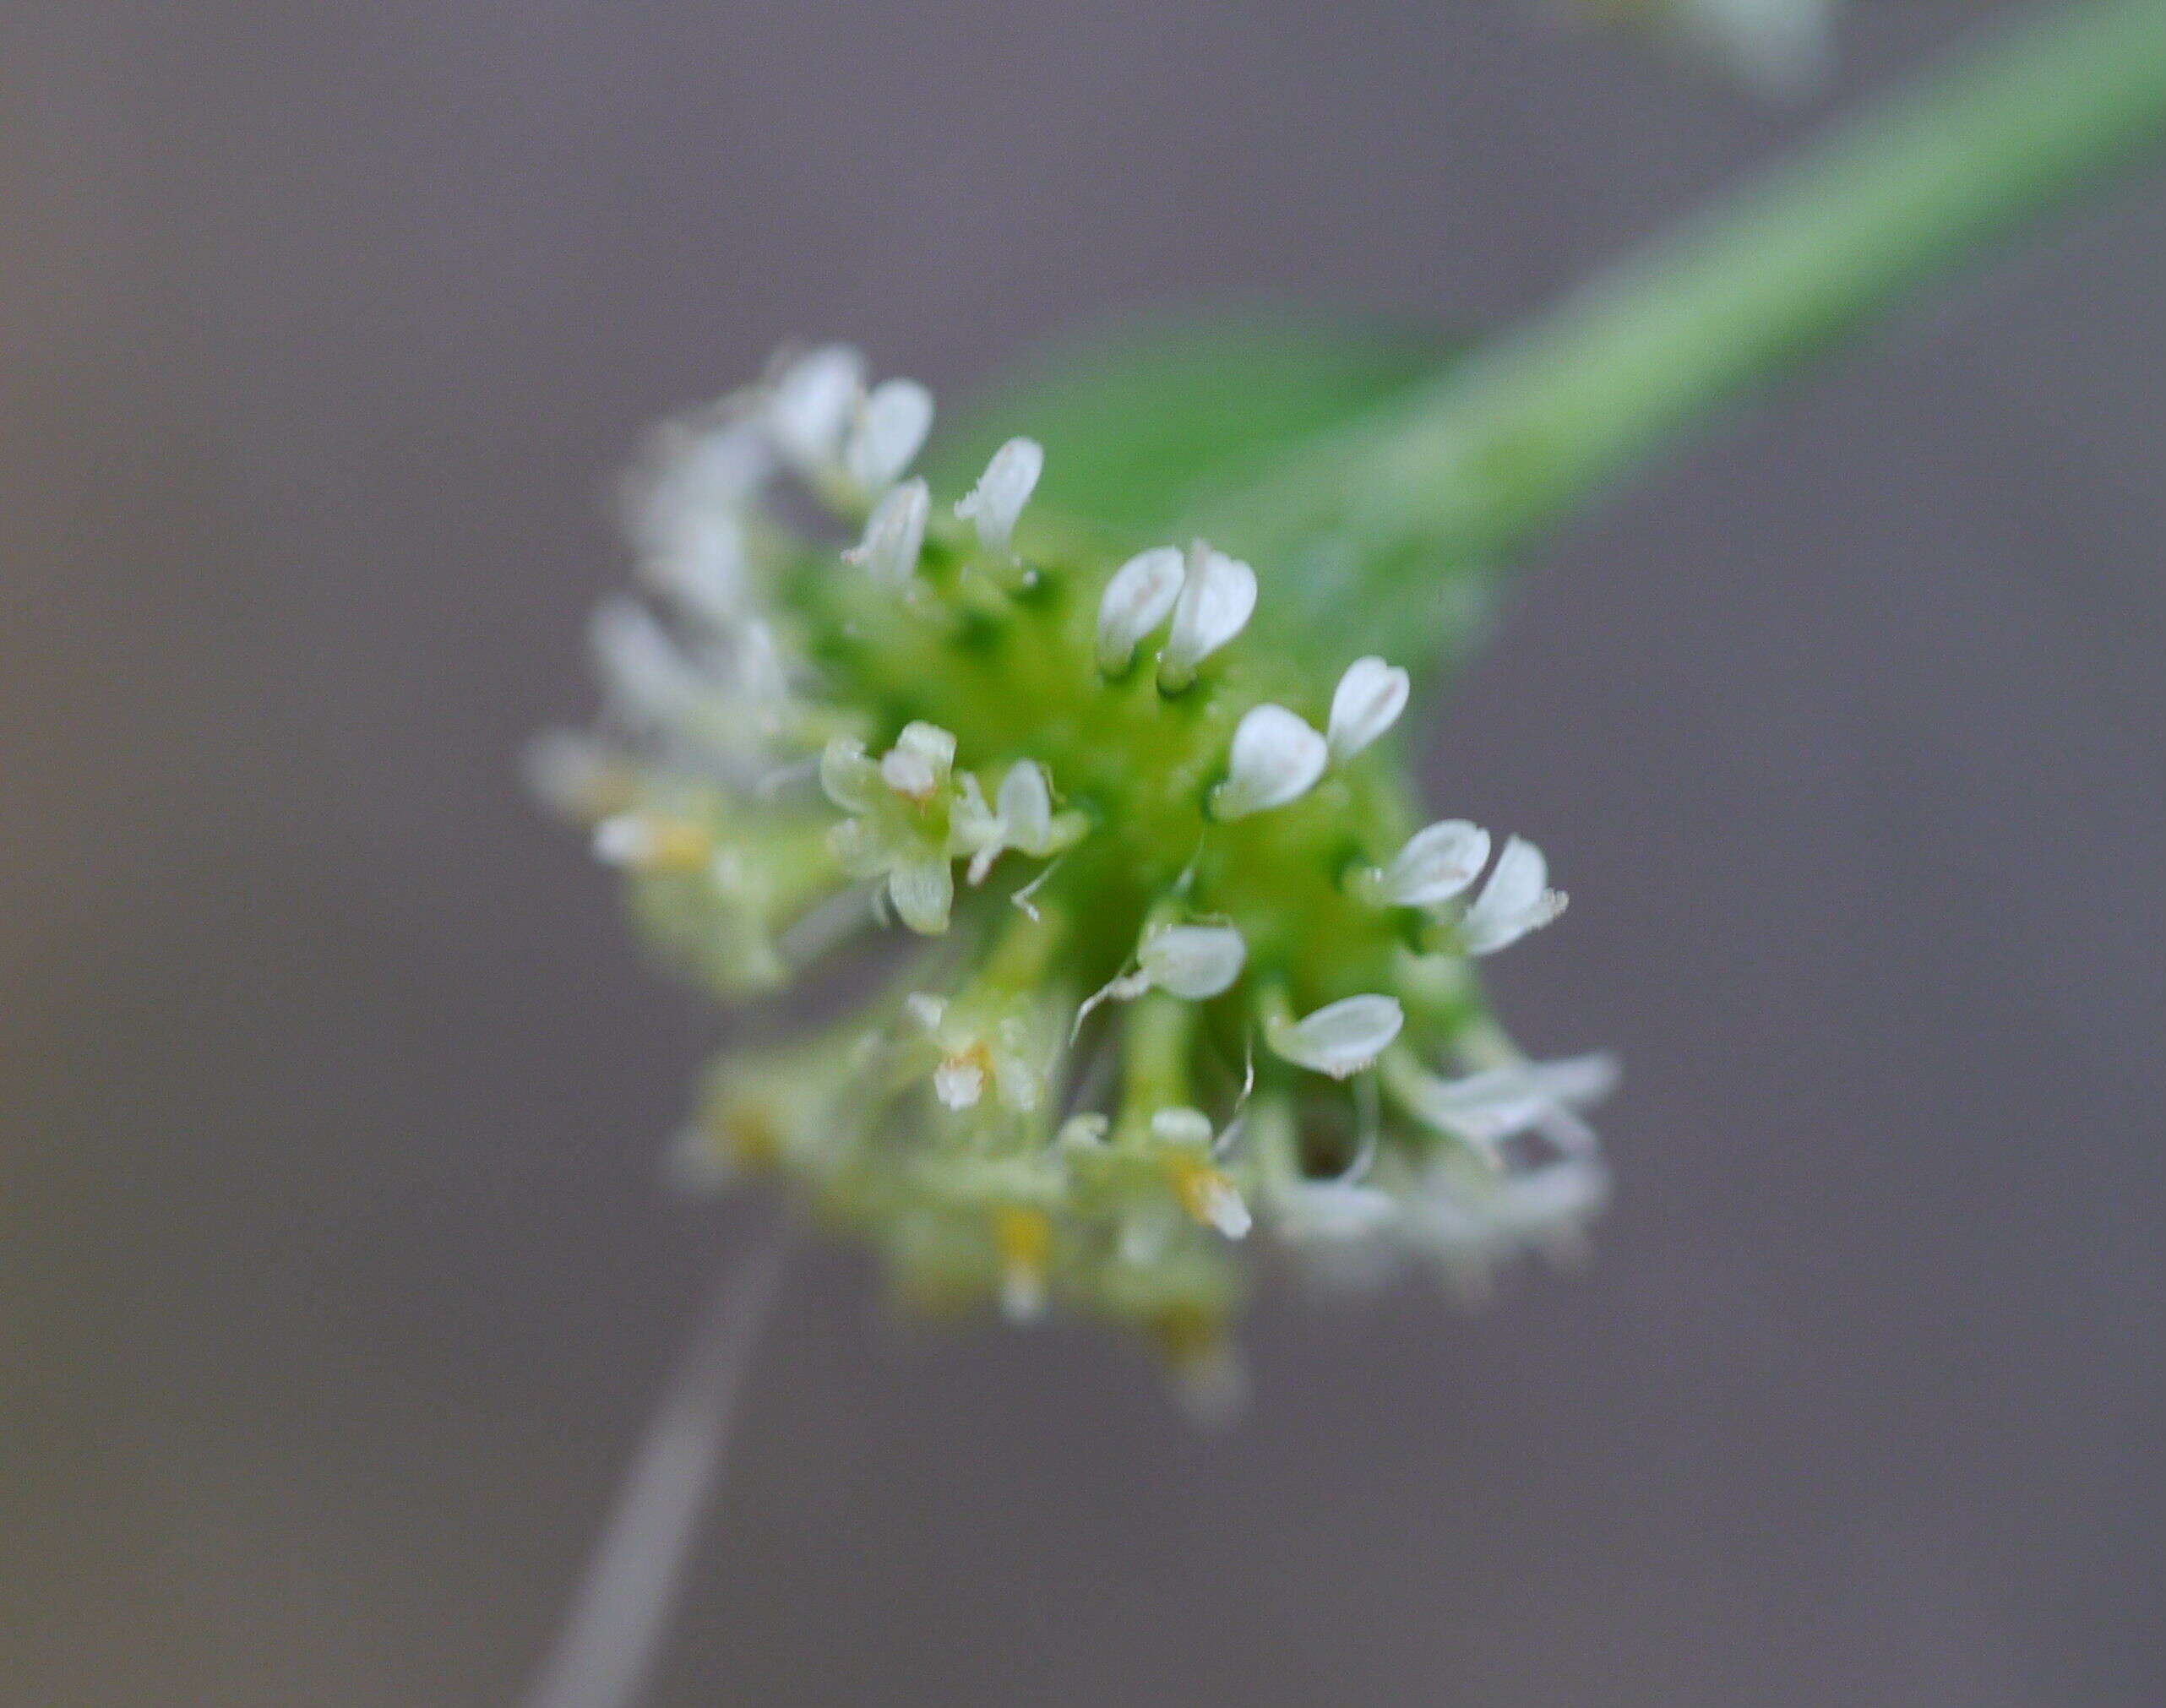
(1389, 517)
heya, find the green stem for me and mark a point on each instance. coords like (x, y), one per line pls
(1395, 517)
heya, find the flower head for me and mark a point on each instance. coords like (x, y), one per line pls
(1169, 974)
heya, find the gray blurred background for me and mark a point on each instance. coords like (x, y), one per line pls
(335, 1277)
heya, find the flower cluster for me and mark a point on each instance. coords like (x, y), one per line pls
(1172, 966)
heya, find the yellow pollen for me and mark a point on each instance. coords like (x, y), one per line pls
(676, 846)
(1024, 1239)
(1198, 1186)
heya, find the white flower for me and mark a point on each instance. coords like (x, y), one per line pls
(1021, 817)
(1515, 901)
(645, 675)
(1341, 1038)
(1367, 702)
(1205, 1190)
(705, 567)
(651, 842)
(917, 765)
(922, 892)
(977, 1054)
(894, 534)
(1194, 962)
(996, 503)
(1217, 597)
(1276, 758)
(1435, 865)
(1138, 599)
(810, 403)
(1484, 1109)
(889, 833)
(891, 425)
(683, 502)
(1330, 1209)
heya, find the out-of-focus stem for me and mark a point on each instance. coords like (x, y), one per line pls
(1383, 514)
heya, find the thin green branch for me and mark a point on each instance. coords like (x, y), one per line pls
(1390, 512)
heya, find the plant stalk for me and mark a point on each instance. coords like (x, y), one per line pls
(1391, 520)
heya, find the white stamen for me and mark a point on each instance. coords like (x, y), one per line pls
(996, 503)
(1367, 702)
(1195, 962)
(1276, 758)
(810, 404)
(1138, 599)
(894, 534)
(890, 428)
(1341, 1038)
(1515, 901)
(1436, 864)
(1217, 597)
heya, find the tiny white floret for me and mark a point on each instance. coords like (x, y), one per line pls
(996, 503)
(889, 429)
(1341, 1038)
(1275, 758)
(1218, 595)
(810, 406)
(1367, 702)
(894, 534)
(1436, 864)
(919, 762)
(1138, 599)
(1195, 962)
(1515, 901)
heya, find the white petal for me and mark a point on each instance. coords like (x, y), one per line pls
(922, 894)
(959, 1082)
(919, 762)
(705, 569)
(643, 670)
(1217, 598)
(1276, 758)
(1181, 1126)
(1137, 600)
(1223, 1207)
(889, 429)
(996, 503)
(1025, 807)
(1367, 702)
(1342, 1038)
(894, 534)
(851, 780)
(1514, 901)
(810, 404)
(627, 840)
(1485, 1109)
(1192, 962)
(1330, 1209)
(1437, 864)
